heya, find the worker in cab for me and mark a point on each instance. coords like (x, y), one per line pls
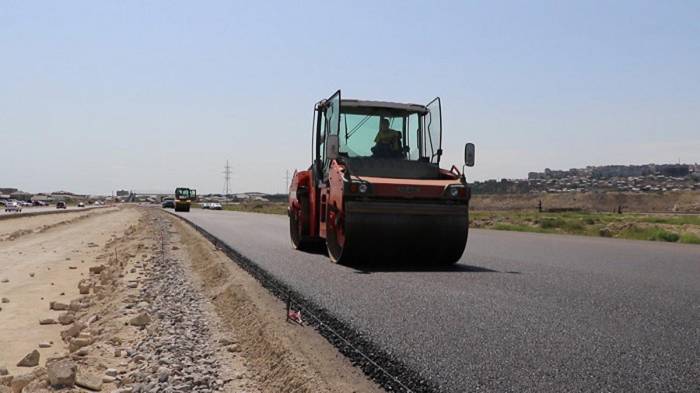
(387, 142)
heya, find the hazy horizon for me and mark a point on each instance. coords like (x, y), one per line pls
(153, 191)
(148, 96)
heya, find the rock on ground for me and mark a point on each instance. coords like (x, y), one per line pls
(20, 381)
(72, 331)
(77, 343)
(66, 318)
(61, 373)
(88, 381)
(84, 287)
(31, 360)
(58, 306)
(140, 320)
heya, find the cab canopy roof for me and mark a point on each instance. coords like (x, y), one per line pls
(366, 106)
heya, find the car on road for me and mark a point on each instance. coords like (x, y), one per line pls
(168, 204)
(12, 206)
(39, 203)
(81, 204)
(60, 205)
(205, 205)
(215, 206)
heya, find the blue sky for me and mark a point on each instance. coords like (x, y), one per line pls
(96, 96)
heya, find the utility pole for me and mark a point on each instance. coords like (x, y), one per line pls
(227, 179)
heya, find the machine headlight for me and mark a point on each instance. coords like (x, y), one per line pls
(358, 187)
(455, 191)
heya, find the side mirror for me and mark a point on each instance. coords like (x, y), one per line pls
(469, 154)
(332, 147)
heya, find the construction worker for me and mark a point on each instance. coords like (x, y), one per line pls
(388, 141)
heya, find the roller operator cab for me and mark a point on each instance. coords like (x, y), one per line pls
(183, 198)
(375, 191)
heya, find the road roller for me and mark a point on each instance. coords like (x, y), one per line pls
(183, 198)
(375, 191)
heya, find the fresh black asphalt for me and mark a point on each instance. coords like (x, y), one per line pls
(520, 313)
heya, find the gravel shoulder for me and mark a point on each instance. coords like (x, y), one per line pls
(282, 356)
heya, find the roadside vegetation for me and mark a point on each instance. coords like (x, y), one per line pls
(654, 227)
(255, 207)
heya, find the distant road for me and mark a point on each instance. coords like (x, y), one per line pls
(37, 209)
(521, 312)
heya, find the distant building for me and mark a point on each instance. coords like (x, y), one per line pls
(616, 178)
(21, 196)
(42, 198)
(251, 195)
(66, 196)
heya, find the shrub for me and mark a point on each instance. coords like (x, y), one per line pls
(690, 238)
(512, 227)
(550, 223)
(650, 233)
(665, 236)
(605, 232)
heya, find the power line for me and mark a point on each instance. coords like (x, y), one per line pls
(227, 179)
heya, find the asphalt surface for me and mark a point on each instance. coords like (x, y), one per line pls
(521, 312)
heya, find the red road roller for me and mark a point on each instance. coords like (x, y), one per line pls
(375, 191)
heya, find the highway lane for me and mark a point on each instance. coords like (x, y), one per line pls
(37, 209)
(520, 312)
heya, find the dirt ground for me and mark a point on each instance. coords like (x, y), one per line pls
(44, 265)
(160, 310)
(667, 202)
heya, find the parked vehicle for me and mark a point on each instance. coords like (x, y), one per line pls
(60, 205)
(205, 205)
(215, 206)
(39, 203)
(12, 206)
(81, 204)
(168, 204)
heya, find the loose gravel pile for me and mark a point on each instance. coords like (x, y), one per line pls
(177, 353)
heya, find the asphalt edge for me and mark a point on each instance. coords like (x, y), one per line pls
(329, 326)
